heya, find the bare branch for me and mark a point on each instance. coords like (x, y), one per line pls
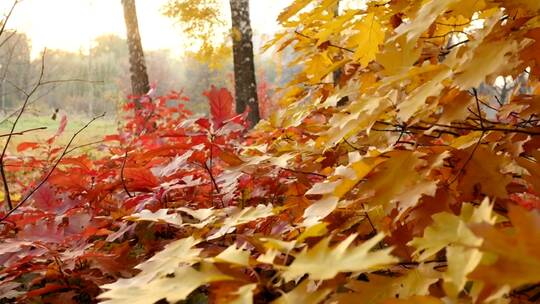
(478, 109)
(23, 132)
(122, 179)
(71, 80)
(6, 18)
(84, 145)
(7, 38)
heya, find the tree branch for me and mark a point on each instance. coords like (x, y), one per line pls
(329, 44)
(122, 179)
(6, 18)
(22, 132)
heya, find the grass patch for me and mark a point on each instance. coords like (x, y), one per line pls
(96, 131)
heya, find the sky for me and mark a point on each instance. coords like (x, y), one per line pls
(73, 24)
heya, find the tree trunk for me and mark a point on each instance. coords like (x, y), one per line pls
(244, 68)
(139, 77)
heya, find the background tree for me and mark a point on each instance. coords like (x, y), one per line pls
(206, 29)
(15, 67)
(139, 77)
(203, 22)
(245, 84)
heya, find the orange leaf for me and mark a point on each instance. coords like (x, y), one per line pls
(27, 145)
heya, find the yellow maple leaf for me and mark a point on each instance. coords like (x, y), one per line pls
(416, 100)
(361, 114)
(160, 216)
(293, 9)
(486, 169)
(233, 255)
(398, 57)
(517, 252)
(320, 65)
(485, 61)
(336, 186)
(366, 42)
(415, 282)
(175, 254)
(392, 181)
(335, 25)
(174, 287)
(425, 16)
(303, 293)
(322, 262)
(451, 232)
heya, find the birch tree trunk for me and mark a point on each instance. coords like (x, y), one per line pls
(139, 76)
(244, 67)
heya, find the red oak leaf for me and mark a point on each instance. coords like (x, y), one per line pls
(221, 105)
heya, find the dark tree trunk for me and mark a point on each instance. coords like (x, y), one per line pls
(139, 76)
(245, 83)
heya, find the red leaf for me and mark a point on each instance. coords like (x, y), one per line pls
(203, 122)
(221, 105)
(140, 178)
(27, 145)
(61, 129)
(45, 198)
(230, 158)
(114, 137)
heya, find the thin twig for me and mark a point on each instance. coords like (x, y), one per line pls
(403, 131)
(449, 48)
(85, 145)
(444, 35)
(212, 178)
(460, 171)
(478, 109)
(329, 44)
(122, 179)
(466, 128)
(374, 230)
(23, 132)
(6, 18)
(304, 172)
(455, 24)
(71, 80)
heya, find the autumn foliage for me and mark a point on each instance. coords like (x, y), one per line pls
(405, 180)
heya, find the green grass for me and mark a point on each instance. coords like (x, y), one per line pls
(94, 132)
